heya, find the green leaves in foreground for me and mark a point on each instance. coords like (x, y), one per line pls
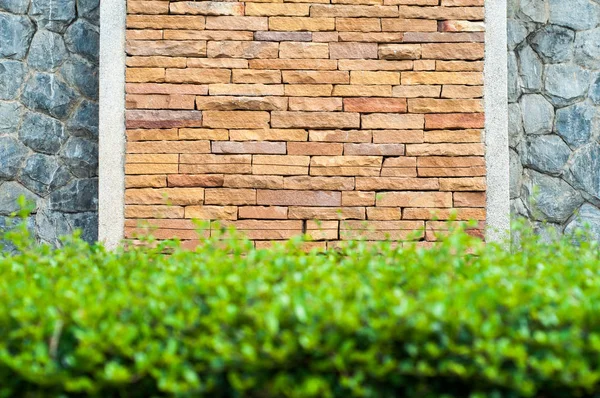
(461, 319)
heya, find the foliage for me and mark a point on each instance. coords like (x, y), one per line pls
(460, 319)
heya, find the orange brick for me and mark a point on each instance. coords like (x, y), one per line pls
(324, 213)
(253, 181)
(277, 9)
(301, 24)
(396, 183)
(458, 51)
(211, 212)
(357, 198)
(145, 75)
(436, 78)
(462, 92)
(384, 213)
(453, 121)
(367, 77)
(315, 120)
(199, 76)
(463, 184)
(147, 7)
(469, 199)
(207, 8)
(315, 148)
(269, 135)
(264, 212)
(319, 183)
(340, 135)
(145, 181)
(169, 147)
(164, 22)
(316, 77)
(397, 136)
(227, 196)
(463, 214)
(256, 76)
(414, 199)
(166, 196)
(392, 121)
(138, 211)
(236, 119)
(368, 105)
(469, 149)
(429, 105)
(195, 180)
(166, 48)
(299, 198)
(358, 24)
(315, 104)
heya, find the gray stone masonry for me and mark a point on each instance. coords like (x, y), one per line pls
(554, 112)
(49, 114)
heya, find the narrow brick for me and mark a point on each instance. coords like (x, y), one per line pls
(170, 48)
(203, 134)
(358, 24)
(237, 23)
(283, 36)
(230, 103)
(227, 196)
(315, 148)
(319, 183)
(236, 119)
(374, 149)
(383, 213)
(340, 135)
(195, 180)
(324, 213)
(469, 199)
(253, 181)
(250, 90)
(242, 49)
(399, 51)
(392, 121)
(316, 77)
(277, 9)
(463, 184)
(450, 91)
(206, 8)
(416, 91)
(315, 104)
(428, 105)
(211, 212)
(358, 198)
(396, 184)
(249, 147)
(397, 136)
(165, 22)
(169, 147)
(146, 181)
(453, 121)
(303, 50)
(141, 211)
(353, 11)
(369, 77)
(349, 50)
(164, 196)
(445, 149)
(370, 105)
(269, 135)
(458, 51)
(432, 78)
(301, 24)
(299, 198)
(414, 199)
(315, 120)
(374, 64)
(263, 212)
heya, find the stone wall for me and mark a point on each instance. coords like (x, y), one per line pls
(49, 113)
(365, 115)
(554, 96)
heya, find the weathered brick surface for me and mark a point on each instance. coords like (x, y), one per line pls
(337, 118)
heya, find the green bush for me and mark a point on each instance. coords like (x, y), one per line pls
(459, 320)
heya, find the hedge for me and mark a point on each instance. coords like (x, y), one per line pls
(462, 319)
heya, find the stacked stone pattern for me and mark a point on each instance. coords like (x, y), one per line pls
(554, 104)
(341, 119)
(49, 114)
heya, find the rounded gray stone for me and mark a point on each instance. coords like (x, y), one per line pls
(535, 10)
(587, 221)
(553, 43)
(575, 14)
(43, 174)
(13, 156)
(84, 121)
(584, 170)
(89, 9)
(566, 83)
(42, 133)
(81, 156)
(574, 123)
(546, 153)
(15, 36)
(12, 74)
(587, 49)
(515, 125)
(47, 52)
(517, 32)
(513, 78)
(53, 15)
(530, 69)
(82, 75)
(53, 225)
(45, 92)
(594, 93)
(549, 198)
(10, 117)
(538, 114)
(76, 196)
(515, 170)
(14, 6)
(83, 38)
(10, 192)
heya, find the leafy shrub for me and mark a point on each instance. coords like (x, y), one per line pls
(461, 319)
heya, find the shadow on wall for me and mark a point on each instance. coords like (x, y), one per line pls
(554, 112)
(49, 113)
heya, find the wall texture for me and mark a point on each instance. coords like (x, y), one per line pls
(554, 96)
(270, 115)
(49, 113)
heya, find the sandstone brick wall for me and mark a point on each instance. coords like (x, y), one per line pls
(365, 115)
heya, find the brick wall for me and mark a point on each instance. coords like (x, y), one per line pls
(363, 114)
